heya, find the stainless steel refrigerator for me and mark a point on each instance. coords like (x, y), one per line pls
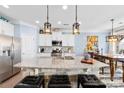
(10, 54)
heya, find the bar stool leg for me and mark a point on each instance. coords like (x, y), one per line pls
(102, 70)
(78, 81)
(116, 64)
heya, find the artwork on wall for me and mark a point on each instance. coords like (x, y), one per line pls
(92, 43)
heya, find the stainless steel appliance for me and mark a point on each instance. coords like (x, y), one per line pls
(56, 43)
(56, 48)
(10, 54)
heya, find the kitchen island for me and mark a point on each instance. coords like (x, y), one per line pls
(57, 64)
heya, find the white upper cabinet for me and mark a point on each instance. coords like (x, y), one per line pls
(6, 28)
(57, 36)
(41, 40)
(67, 40)
(45, 40)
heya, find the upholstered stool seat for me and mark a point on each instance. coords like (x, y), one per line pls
(59, 81)
(90, 81)
(31, 82)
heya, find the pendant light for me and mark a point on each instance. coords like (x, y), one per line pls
(76, 24)
(47, 25)
(112, 38)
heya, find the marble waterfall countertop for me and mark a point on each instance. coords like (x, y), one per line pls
(57, 63)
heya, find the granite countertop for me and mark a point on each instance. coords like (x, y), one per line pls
(43, 52)
(53, 63)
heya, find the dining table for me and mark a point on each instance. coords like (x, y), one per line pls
(113, 60)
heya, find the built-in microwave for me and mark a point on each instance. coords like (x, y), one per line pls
(56, 43)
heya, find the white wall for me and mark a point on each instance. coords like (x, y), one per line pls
(121, 45)
(29, 36)
(81, 41)
(17, 30)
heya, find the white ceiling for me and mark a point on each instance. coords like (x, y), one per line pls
(92, 17)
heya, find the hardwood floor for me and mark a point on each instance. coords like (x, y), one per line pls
(10, 83)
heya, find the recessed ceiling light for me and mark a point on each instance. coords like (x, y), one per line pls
(64, 7)
(5, 6)
(59, 22)
(37, 22)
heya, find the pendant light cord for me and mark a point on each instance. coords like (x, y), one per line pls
(112, 20)
(76, 13)
(47, 13)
